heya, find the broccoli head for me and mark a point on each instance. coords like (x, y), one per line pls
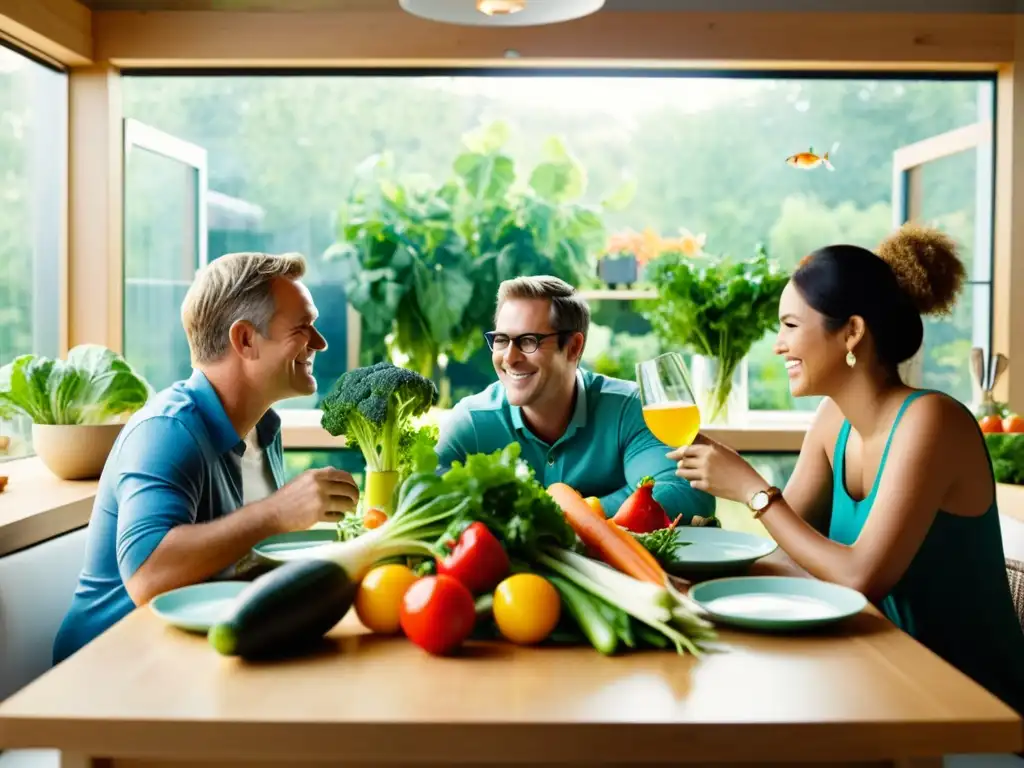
(373, 407)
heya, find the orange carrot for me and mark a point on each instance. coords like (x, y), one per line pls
(592, 527)
(650, 562)
(642, 553)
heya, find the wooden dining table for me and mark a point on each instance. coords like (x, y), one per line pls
(148, 695)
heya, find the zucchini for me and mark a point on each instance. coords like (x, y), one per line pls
(289, 608)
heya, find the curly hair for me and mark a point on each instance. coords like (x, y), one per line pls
(927, 267)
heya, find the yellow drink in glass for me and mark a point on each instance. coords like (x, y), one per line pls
(674, 423)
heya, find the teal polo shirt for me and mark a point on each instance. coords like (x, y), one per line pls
(605, 452)
(176, 462)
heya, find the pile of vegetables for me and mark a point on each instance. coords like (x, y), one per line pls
(483, 550)
(1003, 429)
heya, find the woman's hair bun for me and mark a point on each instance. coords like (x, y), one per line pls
(927, 267)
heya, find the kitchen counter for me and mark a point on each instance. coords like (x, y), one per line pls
(36, 505)
(145, 695)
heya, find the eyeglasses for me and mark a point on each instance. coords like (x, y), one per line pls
(525, 342)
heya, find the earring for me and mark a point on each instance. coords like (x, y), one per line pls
(851, 359)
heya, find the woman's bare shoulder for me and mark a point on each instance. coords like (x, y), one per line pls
(943, 415)
(825, 426)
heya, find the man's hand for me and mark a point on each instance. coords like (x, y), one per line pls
(314, 496)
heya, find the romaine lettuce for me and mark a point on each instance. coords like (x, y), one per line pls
(93, 386)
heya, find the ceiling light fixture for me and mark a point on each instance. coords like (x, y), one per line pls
(501, 13)
(500, 7)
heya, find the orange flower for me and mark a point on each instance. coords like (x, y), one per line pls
(648, 245)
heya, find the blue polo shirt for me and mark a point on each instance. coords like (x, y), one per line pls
(605, 452)
(177, 461)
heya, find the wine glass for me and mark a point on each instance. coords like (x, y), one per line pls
(670, 410)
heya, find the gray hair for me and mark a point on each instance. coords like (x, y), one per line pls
(234, 287)
(569, 310)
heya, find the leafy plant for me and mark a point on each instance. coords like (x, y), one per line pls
(716, 307)
(1007, 452)
(93, 386)
(424, 260)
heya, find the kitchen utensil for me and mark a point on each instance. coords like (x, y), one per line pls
(978, 368)
(1002, 362)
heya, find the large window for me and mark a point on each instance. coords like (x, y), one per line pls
(33, 162)
(285, 153)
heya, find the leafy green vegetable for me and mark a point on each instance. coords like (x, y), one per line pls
(93, 386)
(374, 407)
(505, 497)
(716, 307)
(412, 442)
(1007, 452)
(663, 544)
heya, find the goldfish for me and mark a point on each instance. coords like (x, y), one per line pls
(808, 159)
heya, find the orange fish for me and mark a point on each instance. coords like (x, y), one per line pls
(808, 159)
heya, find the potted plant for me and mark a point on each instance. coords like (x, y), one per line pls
(629, 252)
(77, 406)
(717, 308)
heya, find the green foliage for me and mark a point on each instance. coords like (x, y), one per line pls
(292, 145)
(374, 407)
(424, 260)
(716, 307)
(507, 498)
(93, 386)
(1007, 452)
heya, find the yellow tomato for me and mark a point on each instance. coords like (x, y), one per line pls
(595, 503)
(379, 598)
(526, 608)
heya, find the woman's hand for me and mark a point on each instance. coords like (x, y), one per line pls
(716, 469)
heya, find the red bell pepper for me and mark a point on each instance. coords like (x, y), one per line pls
(641, 513)
(477, 560)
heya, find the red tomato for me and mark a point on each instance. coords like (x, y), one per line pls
(438, 614)
(1013, 423)
(991, 423)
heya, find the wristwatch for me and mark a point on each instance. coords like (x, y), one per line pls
(761, 500)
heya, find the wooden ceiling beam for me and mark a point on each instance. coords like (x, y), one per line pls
(673, 39)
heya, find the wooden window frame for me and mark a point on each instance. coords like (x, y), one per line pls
(97, 45)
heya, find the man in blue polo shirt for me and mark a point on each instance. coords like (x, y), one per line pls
(195, 477)
(574, 426)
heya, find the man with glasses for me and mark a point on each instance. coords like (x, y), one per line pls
(574, 426)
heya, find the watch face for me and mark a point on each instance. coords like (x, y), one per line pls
(760, 500)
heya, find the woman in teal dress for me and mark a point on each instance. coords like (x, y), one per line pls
(893, 492)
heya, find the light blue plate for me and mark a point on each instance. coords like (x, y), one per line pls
(714, 550)
(776, 602)
(198, 607)
(277, 548)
